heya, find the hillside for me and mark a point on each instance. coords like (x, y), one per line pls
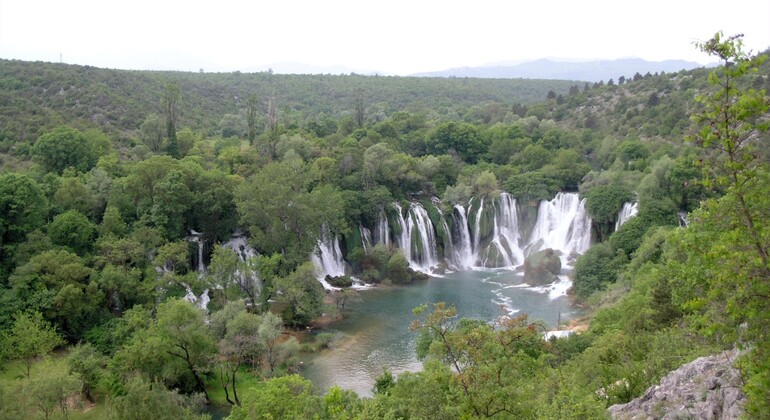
(42, 95)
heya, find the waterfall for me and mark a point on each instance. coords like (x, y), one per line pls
(477, 230)
(381, 231)
(417, 240)
(449, 249)
(628, 211)
(421, 229)
(366, 238)
(497, 245)
(203, 300)
(562, 224)
(507, 230)
(405, 239)
(328, 258)
(197, 238)
(240, 245)
(463, 248)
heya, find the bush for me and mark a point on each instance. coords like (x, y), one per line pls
(598, 267)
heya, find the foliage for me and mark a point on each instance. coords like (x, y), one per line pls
(59, 284)
(72, 229)
(598, 267)
(64, 147)
(143, 400)
(457, 138)
(300, 294)
(603, 203)
(176, 347)
(283, 397)
(30, 336)
(87, 363)
(50, 391)
(492, 363)
(283, 216)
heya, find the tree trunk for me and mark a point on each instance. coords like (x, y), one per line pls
(235, 391)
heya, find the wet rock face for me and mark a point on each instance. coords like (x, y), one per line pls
(706, 388)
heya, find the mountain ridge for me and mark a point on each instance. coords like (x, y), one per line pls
(589, 71)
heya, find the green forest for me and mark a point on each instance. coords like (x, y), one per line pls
(120, 189)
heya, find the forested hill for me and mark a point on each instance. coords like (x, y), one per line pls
(35, 95)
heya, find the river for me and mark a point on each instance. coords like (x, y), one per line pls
(374, 333)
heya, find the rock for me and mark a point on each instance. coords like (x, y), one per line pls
(706, 388)
(542, 267)
(339, 281)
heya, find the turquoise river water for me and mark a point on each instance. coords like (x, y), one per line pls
(375, 331)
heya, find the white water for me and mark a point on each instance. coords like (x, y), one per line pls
(562, 224)
(507, 231)
(477, 230)
(381, 231)
(463, 250)
(449, 248)
(366, 238)
(240, 245)
(421, 226)
(328, 259)
(404, 239)
(628, 211)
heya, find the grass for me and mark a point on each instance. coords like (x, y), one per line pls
(13, 372)
(244, 380)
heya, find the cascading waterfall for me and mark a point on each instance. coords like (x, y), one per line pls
(562, 224)
(628, 211)
(381, 231)
(485, 233)
(422, 232)
(449, 249)
(366, 238)
(477, 230)
(507, 230)
(405, 239)
(462, 256)
(240, 245)
(203, 300)
(328, 258)
(496, 245)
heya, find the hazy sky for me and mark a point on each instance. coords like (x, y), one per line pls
(392, 37)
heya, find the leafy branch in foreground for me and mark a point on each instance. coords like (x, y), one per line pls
(731, 122)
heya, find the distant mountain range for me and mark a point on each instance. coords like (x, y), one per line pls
(590, 71)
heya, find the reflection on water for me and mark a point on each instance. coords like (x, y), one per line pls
(375, 332)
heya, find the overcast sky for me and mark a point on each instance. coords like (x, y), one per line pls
(392, 37)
